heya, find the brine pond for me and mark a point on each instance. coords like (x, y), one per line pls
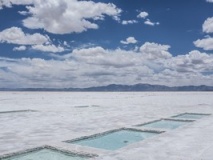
(165, 124)
(191, 116)
(114, 140)
(45, 154)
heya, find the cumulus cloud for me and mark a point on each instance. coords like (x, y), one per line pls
(208, 25)
(98, 66)
(80, 70)
(155, 51)
(66, 44)
(206, 43)
(129, 40)
(102, 57)
(20, 48)
(48, 48)
(125, 22)
(142, 15)
(9, 3)
(150, 23)
(66, 16)
(210, 1)
(193, 63)
(15, 35)
(37, 41)
(23, 13)
(63, 16)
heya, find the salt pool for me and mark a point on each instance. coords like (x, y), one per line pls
(191, 116)
(165, 124)
(45, 154)
(114, 140)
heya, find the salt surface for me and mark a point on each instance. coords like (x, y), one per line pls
(58, 119)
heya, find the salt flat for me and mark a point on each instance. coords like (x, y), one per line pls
(62, 116)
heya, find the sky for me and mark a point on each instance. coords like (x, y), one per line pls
(79, 43)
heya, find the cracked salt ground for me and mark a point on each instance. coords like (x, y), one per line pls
(57, 120)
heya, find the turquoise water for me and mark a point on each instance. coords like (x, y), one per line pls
(191, 116)
(115, 140)
(165, 124)
(45, 154)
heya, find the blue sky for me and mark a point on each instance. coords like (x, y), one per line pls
(71, 43)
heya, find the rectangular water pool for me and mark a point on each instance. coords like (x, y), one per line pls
(191, 116)
(45, 154)
(115, 139)
(165, 124)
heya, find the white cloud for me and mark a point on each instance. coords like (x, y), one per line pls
(48, 48)
(102, 57)
(150, 23)
(23, 13)
(208, 25)
(20, 48)
(63, 16)
(129, 40)
(147, 21)
(206, 44)
(125, 22)
(37, 41)
(15, 35)
(98, 66)
(193, 63)
(155, 51)
(66, 44)
(142, 15)
(210, 1)
(9, 3)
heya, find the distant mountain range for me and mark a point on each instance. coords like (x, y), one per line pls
(119, 88)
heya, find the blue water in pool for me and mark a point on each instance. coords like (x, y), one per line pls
(45, 154)
(191, 116)
(115, 140)
(165, 124)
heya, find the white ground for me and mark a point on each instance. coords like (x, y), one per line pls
(65, 116)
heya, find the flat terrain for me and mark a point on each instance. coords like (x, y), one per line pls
(49, 118)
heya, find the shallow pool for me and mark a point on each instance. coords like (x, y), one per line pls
(45, 154)
(114, 140)
(165, 124)
(191, 116)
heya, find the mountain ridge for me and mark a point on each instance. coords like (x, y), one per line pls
(120, 88)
